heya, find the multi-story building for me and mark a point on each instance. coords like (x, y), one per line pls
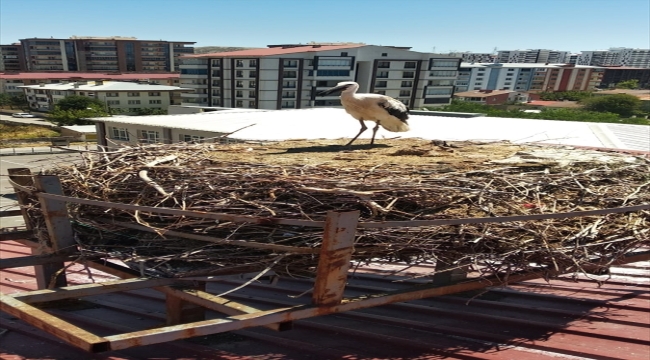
(637, 58)
(491, 97)
(12, 58)
(288, 77)
(616, 74)
(533, 56)
(118, 97)
(471, 57)
(123, 54)
(528, 77)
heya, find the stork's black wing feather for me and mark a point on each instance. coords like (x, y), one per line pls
(395, 108)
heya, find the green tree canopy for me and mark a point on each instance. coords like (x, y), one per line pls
(622, 104)
(628, 84)
(72, 110)
(572, 95)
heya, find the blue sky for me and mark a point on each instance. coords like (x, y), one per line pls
(458, 25)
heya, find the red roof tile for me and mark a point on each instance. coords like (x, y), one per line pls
(88, 76)
(276, 51)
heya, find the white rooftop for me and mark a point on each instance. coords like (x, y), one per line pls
(86, 129)
(332, 123)
(106, 86)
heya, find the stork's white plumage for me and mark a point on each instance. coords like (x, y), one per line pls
(387, 112)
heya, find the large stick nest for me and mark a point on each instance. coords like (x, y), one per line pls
(195, 177)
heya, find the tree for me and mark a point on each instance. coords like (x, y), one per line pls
(72, 110)
(151, 111)
(628, 84)
(623, 104)
(14, 100)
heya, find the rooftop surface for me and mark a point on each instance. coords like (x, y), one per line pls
(86, 75)
(106, 86)
(563, 319)
(332, 123)
(276, 51)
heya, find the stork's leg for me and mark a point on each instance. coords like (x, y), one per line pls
(374, 132)
(363, 128)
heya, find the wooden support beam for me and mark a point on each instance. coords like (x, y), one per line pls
(90, 289)
(46, 272)
(335, 254)
(179, 311)
(55, 213)
(53, 325)
(35, 260)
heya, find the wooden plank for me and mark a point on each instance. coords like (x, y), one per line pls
(53, 325)
(218, 304)
(179, 311)
(90, 289)
(56, 216)
(35, 260)
(335, 255)
(22, 177)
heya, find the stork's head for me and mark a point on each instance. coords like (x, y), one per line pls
(343, 87)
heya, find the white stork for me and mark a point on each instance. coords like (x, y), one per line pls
(391, 114)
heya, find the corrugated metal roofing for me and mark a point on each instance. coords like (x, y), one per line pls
(564, 319)
(331, 123)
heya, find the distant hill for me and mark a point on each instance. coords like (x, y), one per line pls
(216, 49)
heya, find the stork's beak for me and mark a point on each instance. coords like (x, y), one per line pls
(331, 90)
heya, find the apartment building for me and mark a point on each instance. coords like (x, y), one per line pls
(491, 97)
(616, 74)
(86, 53)
(288, 77)
(528, 77)
(471, 57)
(636, 58)
(533, 56)
(118, 97)
(12, 58)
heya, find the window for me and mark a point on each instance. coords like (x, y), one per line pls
(339, 73)
(112, 102)
(252, 63)
(444, 63)
(216, 83)
(438, 91)
(239, 73)
(251, 104)
(155, 101)
(384, 54)
(252, 84)
(441, 82)
(216, 73)
(119, 134)
(154, 94)
(289, 84)
(289, 74)
(290, 63)
(190, 138)
(288, 104)
(410, 65)
(334, 62)
(239, 103)
(407, 84)
(509, 78)
(216, 62)
(508, 83)
(380, 92)
(239, 84)
(444, 100)
(344, 54)
(134, 102)
(149, 136)
(252, 74)
(194, 71)
(408, 74)
(381, 84)
(289, 94)
(480, 70)
(383, 64)
(252, 94)
(405, 101)
(405, 93)
(108, 94)
(239, 63)
(133, 94)
(445, 73)
(382, 74)
(239, 93)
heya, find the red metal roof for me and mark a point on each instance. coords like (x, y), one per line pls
(528, 320)
(276, 51)
(88, 76)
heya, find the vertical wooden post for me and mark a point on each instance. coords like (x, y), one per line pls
(55, 213)
(335, 255)
(179, 311)
(42, 273)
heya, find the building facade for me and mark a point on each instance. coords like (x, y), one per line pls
(629, 57)
(117, 97)
(615, 75)
(121, 54)
(533, 56)
(471, 57)
(289, 77)
(491, 97)
(528, 77)
(12, 58)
